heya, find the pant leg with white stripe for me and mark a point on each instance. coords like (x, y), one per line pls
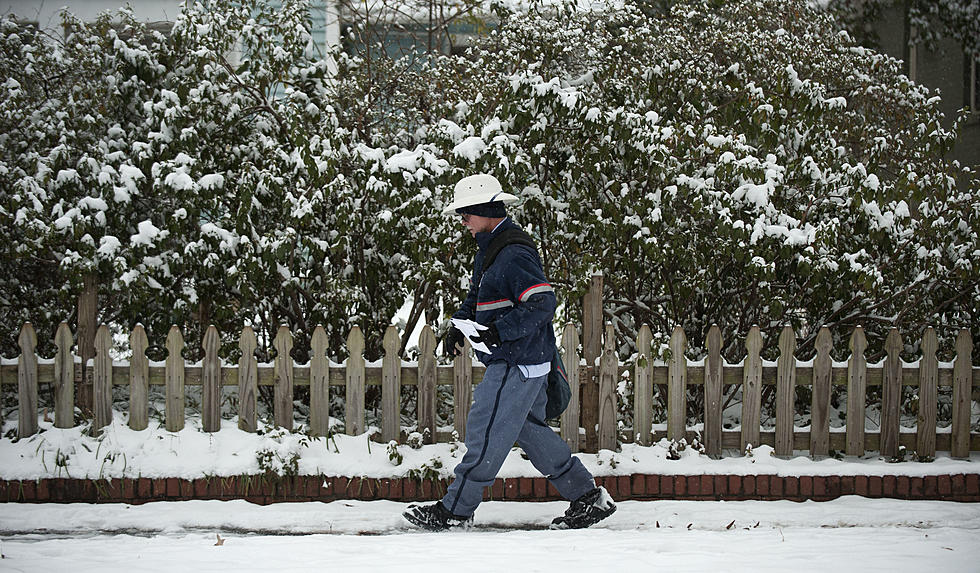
(550, 454)
(501, 402)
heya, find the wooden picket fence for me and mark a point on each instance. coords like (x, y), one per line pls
(677, 375)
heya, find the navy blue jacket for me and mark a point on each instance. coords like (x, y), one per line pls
(515, 296)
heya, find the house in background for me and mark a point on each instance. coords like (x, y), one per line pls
(946, 67)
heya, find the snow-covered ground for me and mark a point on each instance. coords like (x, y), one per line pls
(119, 452)
(847, 534)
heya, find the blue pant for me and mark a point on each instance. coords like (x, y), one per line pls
(508, 408)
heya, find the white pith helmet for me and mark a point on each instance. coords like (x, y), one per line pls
(477, 189)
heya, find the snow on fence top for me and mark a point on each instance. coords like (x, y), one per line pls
(677, 374)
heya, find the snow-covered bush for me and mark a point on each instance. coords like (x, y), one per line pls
(741, 162)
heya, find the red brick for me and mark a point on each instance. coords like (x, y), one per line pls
(127, 488)
(186, 488)
(623, 487)
(540, 488)
(314, 486)
(833, 486)
(889, 486)
(653, 485)
(930, 487)
(511, 489)
(694, 486)
(762, 486)
(973, 485)
(958, 483)
(875, 486)
(734, 486)
(86, 490)
(341, 487)
(638, 485)
(397, 489)
(862, 485)
(776, 487)
(791, 487)
(945, 485)
(368, 489)
(144, 488)
(43, 493)
(819, 487)
(667, 486)
(847, 485)
(680, 487)
(748, 486)
(526, 487)
(173, 487)
(806, 487)
(903, 487)
(497, 490)
(916, 487)
(720, 486)
(410, 489)
(707, 488)
(27, 490)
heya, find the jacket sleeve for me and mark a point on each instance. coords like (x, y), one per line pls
(467, 310)
(532, 294)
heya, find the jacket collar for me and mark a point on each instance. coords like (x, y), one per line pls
(483, 239)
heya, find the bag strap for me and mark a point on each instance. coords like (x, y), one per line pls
(512, 236)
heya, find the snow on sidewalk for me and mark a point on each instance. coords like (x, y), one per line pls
(848, 534)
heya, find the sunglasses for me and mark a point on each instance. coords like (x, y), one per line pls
(465, 217)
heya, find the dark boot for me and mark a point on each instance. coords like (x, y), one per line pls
(587, 510)
(435, 517)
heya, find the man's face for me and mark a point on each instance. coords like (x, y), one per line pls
(476, 224)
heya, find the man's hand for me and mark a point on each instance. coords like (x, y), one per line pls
(452, 343)
(490, 337)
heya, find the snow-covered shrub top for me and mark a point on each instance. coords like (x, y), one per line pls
(738, 163)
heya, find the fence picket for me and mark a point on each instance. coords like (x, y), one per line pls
(752, 389)
(462, 389)
(891, 395)
(139, 379)
(592, 329)
(570, 418)
(820, 401)
(248, 381)
(643, 389)
(892, 374)
(427, 385)
(713, 391)
(677, 386)
(211, 382)
(283, 378)
(857, 393)
(64, 379)
(925, 442)
(962, 386)
(102, 379)
(174, 375)
(608, 377)
(27, 382)
(319, 384)
(354, 404)
(391, 386)
(785, 392)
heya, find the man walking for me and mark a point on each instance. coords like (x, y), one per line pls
(514, 301)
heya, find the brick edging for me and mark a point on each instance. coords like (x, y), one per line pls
(265, 489)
